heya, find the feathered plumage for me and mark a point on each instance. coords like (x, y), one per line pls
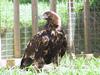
(46, 45)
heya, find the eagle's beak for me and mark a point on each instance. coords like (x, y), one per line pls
(44, 16)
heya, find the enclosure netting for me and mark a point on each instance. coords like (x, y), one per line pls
(94, 28)
(6, 22)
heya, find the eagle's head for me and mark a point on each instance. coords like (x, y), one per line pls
(53, 19)
(51, 15)
(48, 15)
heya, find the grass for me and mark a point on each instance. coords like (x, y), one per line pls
(78, 66)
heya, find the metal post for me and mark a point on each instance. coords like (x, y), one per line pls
(71, 27)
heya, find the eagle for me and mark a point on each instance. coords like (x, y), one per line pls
(45, 46)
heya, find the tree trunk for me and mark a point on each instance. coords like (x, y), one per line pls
(86, 26)
(16, 29)
(34, 17)
(53, 5)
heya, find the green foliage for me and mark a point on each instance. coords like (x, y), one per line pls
(78, 6)
(49, 0)
(26, 20)
(6, 12)
(29, 1)
(63, 12)
(95, 3)
(23, 1)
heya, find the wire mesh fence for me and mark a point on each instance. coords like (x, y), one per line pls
(7, 35)
(7, 42)
(94, 29)
(7, 45)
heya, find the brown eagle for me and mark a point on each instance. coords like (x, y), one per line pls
(47, 44)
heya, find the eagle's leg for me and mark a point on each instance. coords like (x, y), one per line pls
(56, 60)
(38, 63)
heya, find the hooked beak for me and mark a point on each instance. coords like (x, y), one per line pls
(44, 16)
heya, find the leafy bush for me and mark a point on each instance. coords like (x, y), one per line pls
(49, 0)
(95, 3)
(23, 1)
(7, 14)
(29, 1)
